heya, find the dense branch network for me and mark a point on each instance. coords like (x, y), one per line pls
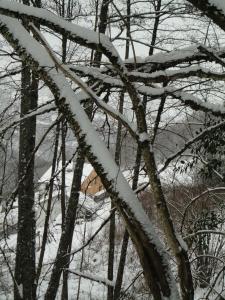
(95, 150)
(158, 76)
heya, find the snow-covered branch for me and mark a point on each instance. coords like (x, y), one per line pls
(76, 33)
(172, 75)
(152, 255)
(163, 61)
(146, 77)
(92, 277)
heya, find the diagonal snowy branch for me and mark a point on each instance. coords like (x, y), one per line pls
(149, 247)
(76, 33)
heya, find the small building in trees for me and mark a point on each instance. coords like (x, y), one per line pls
(92, 184)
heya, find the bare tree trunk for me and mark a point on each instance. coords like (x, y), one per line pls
(123, 253)
(102, 27)
(112, 220)
(63, 173)
(61, 260)
(25, 287)
(81, 263)
(64, 295)
(49, 204)
(120, 272)
(25, 252)
(112, 226)
(97, 59)
(111, 253)
(63, 141)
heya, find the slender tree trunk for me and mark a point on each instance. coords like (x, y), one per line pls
(61, 260)
(123, 253)
(25, 287)
(112, 226)
(111, 253)
(25, 270)
(157, 7)
(184, 269)
(63, 140)
(81, 262)
(64, 295)
(102, 27)
(63, 173)
(97, 58)
(25, 251)
(122, 262)
(119, 278)
(49, 204)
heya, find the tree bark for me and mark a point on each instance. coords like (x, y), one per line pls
(49, 204)
(25, 270)
(123, 254)
(25, 251)
(64, 295)
(61, 260)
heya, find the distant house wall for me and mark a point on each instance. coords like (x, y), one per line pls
(92, 184)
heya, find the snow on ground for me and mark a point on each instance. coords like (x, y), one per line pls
(95, 254)
(95, 257)
(69, 174)
(94, 263)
